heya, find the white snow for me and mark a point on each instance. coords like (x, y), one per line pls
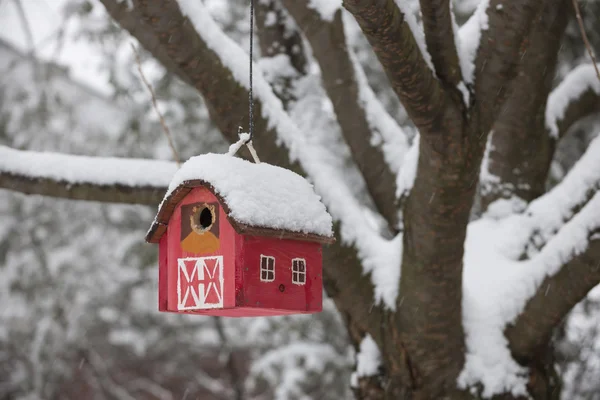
(497, 285)
(385, 130)
(281, 366)
(408, 172)
(465, 92)
(469, 36)
(546, 215)
(496, 288)
(83, 169)
(578, 81)
(270, 18)
(368, 360)
(378, 255)
(326, 8)
(259, 195)
(486, 178)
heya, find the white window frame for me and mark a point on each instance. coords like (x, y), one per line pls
(297, 272)
(266, 269)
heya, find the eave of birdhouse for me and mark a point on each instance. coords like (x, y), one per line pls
(169, 204)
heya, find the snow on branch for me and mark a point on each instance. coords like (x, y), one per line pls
(579, 90)
(368, 361)
(497, 289)
(354, 106)
(547, 214)
(400, 47)
(499, 280)
(469, 37)
(385, 131)
(106, 179)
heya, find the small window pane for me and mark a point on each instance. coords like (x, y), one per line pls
(267, 268)
(299, 271)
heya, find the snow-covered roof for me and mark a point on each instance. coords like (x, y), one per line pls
(259, 196)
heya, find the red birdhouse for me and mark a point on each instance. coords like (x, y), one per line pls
(240, 239)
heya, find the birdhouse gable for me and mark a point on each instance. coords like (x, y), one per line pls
(258, 199)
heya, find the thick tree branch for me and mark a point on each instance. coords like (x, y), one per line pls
(116, 193)
(521, 150)
(393, 41)
(499, 54)
(556, 296)
(439, 36)
(328, 42)
(226, 99)
(109, 180)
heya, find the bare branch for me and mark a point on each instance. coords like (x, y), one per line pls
(588, 46)
(155, 105)
(497, 60)
(328, 42)
(390, 34)
(439, 36)
(521, 151)
(234, 375)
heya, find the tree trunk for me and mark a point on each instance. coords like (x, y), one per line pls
(544, 384)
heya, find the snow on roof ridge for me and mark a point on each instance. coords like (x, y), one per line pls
(258, 195)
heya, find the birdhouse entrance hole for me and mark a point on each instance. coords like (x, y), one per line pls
(203, 218)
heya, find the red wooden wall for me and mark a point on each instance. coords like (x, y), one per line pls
(282, 293)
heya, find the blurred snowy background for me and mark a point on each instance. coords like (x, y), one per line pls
(78, 285)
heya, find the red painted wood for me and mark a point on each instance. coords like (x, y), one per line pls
(268, 295)
(225, 249)
(162, 274)
(244, 295)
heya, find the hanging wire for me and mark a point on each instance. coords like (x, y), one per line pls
(246, 138)
(251, 100)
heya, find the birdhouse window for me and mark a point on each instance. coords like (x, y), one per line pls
(298, 271)
(267, 268)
